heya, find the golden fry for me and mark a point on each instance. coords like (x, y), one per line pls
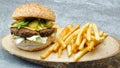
(102, 39)
(84, 35)
(70, 26)
(63, 32)
(69, 50)
(101, 33)
(97, 37)
(80, 54)
(91, 45)
(45, 55)
(61, 42)
(89, 32)
(92, 32)
(92, 37)
(105, 35)
(73, 30)
(55, 49)
(74, 48)
(60, 52)
(81, 37)
(73, 40)
(82, 30)
(71, 36)
(81, 47)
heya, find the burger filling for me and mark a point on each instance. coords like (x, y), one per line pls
(32, 29)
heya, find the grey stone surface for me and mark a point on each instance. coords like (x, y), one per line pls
(105, 13)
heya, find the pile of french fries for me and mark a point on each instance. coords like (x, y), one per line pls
(77, 40)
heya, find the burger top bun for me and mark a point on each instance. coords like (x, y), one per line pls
(33, 10)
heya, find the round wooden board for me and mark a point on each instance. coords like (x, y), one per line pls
(109, 48)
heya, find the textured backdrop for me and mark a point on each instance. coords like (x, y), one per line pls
(105, 13)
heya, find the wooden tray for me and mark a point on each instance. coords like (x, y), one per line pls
(108, 49)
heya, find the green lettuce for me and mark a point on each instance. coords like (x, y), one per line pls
(49, 24)
(20, 24)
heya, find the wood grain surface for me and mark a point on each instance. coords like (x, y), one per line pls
(104, 56)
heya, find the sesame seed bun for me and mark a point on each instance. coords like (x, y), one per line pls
(33, 10)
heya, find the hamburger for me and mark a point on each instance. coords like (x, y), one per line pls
(33, 27)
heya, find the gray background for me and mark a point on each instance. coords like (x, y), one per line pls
(105, 13)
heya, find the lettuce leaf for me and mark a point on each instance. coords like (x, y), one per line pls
(20, 24)
(49, 24)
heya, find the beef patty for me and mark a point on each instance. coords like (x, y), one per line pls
(24, 32)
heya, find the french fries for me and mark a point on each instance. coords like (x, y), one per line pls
(63, 45)
(77, 41)
(82, 30)
(90, 45)
(71, 36)
(63, 32)
(77, 27)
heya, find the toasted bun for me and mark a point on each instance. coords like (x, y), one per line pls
(34, 46)
(33, 10)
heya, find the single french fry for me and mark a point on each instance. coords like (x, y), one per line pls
(70, 26)
(71, 36)
(81, 47)
(92, 37)
(81, 37)
(97, 36)
(74, 48)
(99, 41)
(61, 42)
(101, 33)
(89, 32)
(91, 45)
(82, 30)
(60, 52)
(73, 40)
(80, 54)
(102, 39)
(84, 35)
(69, 50)
(55, 49)
(73, 30)
(92, 32)
(105, 35)
(46, 54)
(50, 50)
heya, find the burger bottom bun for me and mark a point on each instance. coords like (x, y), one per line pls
(34, 46)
